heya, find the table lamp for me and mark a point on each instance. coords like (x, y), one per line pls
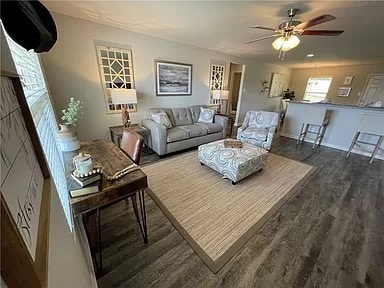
(221, 95)
(124, 97)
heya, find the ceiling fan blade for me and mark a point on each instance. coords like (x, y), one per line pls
(264, 28)
(315, 21)
(262, 38)
(322, 32)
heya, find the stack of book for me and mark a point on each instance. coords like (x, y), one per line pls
(84, 186)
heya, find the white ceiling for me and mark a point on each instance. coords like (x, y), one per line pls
(223, 26)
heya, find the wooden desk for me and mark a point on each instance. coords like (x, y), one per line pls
(112, 159)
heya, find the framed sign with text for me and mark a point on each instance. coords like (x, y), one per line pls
(25, 193)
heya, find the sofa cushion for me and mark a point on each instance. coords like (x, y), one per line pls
(211, 127)
(195, 112)
(182, 116)
(166, 110)
(161, 118)
(206, 115)
(260, 134)
(194, 130)
(176, 134)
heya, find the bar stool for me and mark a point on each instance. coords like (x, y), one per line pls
(372, 125)
(313, 116)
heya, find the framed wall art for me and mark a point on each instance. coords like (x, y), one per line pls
(344, 91)
(348, 80)
(25, 192)
(277, 85)
(173, 79)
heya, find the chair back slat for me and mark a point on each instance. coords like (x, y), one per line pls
(314, 115)
(132, 144)
(372, 124)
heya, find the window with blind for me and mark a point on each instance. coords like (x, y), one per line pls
(317, 89)
(35, 89)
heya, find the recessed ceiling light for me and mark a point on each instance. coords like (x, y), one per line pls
(310, 55)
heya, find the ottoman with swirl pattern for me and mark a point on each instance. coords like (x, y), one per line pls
(233, 163)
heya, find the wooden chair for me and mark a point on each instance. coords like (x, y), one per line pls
(132, 144)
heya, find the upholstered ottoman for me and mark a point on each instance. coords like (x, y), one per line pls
(233, 163)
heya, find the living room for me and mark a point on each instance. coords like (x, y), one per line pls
(191, 33)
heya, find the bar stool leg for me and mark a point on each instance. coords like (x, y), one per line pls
(381, 138)
(305, 131)
(317, 136)
(300, 134)
(322, 133)
(353, 143)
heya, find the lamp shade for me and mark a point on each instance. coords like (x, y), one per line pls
(124, 96)
(220, 94)
(286, 44)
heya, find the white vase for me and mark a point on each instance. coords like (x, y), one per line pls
(68, 138)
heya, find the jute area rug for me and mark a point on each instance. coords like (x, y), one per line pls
(215, 217)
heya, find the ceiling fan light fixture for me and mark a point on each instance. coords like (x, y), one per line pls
(286, 43)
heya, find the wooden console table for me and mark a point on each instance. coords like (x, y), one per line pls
(134, 184)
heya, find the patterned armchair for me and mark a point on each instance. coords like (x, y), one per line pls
(258, 128)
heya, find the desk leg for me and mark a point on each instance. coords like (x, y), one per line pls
(93, 230)
(100, 245)
(143, 221)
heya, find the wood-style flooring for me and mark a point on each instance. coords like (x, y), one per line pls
(330, 235)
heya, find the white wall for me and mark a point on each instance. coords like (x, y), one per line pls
(69, 261)
(72, 71)
(360, 72)
(255, 73)
(65, 254)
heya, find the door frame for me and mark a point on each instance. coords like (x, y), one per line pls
(366, 85)
(230, 111)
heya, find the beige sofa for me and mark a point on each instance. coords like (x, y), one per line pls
(186, 131)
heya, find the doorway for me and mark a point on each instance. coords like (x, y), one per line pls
(235, 90)
(235, 84)
(373, 91)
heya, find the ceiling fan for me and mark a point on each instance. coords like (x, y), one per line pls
(288, 30)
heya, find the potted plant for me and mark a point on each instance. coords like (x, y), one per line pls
(68, 131)
(288, 94)
(73, 112)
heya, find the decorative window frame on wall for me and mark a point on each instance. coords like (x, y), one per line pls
(116, 71)
(216, 79)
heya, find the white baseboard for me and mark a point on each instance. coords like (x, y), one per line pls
(354, 150)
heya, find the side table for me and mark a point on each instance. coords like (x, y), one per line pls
(117, 132)
(231, 121)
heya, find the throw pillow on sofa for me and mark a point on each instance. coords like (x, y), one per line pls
(206, 115)
(162, 118)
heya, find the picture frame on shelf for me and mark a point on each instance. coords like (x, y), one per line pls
(348, 80)
(173, 78)
(344, 91)
(277, 85)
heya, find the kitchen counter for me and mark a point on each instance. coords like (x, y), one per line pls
(340, 105)
(343, 123)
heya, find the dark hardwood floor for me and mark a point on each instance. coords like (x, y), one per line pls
(331, 234)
